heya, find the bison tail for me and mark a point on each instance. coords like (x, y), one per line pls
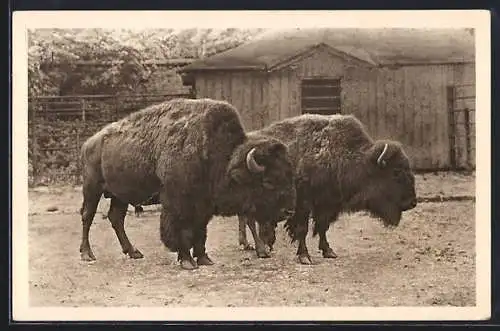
(169, 236)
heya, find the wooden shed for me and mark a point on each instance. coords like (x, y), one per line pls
(415, 86)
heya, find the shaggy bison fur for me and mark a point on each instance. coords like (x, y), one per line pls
(196, 154)
(339, 168)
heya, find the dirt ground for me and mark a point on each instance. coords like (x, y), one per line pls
(428, 260)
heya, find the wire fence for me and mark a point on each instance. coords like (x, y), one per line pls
(59, 125)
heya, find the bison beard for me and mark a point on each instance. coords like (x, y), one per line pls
(196, 154)
(339, 168)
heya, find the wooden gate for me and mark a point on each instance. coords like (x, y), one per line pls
(462, 126)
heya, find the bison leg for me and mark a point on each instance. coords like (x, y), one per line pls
(267, 233)
(116, 216)
(199, 249)
(301, 219)
(91, 197)
(184, 254)
(242, 233)
(177, 235)
(322, 224)
(302, 253)
(260, 247)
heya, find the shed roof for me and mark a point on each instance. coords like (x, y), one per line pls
(375, 46)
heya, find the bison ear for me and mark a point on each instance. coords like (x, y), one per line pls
(382, 152)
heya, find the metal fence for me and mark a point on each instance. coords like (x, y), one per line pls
(58, 125)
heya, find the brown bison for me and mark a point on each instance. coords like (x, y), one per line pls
(196, 154)
(338, 168)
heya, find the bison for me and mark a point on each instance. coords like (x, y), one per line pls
(196, 154)
(339, 168)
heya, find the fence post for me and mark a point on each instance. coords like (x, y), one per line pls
(467, 136)
(450, 96)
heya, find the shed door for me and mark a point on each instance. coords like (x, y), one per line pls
(320, 96)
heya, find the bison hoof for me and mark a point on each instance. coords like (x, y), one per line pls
(189, 265)
(329, 254)
(263, 253)
(135, 254)
(204, 260)
(247, 247)
(305, 259)
(87, 256)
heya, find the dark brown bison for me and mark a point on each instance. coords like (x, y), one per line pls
(339, 168)
(196, 154)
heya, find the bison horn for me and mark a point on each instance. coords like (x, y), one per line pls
(380, 160)
(252, 165)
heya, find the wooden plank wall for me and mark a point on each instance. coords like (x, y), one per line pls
(244, 90)
(359, 96)
(407, 104)
(284, 85)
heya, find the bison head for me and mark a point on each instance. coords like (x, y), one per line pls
(261, 180)
(387, 186)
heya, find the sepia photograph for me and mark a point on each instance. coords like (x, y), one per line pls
(313, 165)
